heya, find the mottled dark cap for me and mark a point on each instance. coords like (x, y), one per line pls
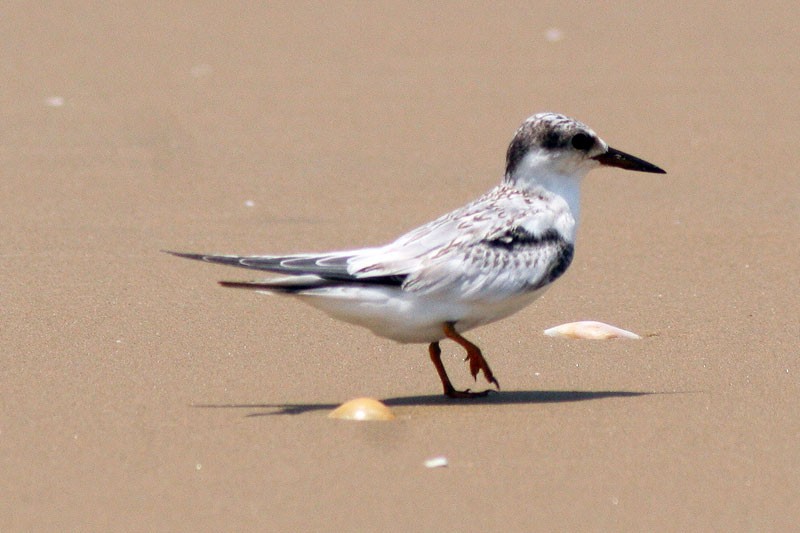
(549, 131)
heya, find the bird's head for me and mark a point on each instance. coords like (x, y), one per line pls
(551, 145)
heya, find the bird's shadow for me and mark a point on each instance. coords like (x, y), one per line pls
(494, 398)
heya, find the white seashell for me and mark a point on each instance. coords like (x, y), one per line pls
(553, 35)
(362, 409)
(436, 462)
(54, 101)
(589, 329)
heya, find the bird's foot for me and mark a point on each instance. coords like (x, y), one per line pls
(449, 390)
(477, 363)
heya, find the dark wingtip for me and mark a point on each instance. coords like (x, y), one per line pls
(198, 257)
(243, 285)
(266, 286)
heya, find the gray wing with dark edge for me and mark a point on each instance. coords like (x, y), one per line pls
(505, 243)
(512, 262)
(330, 269)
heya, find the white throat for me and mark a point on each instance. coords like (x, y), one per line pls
(536, 173)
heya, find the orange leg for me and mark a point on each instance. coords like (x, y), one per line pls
(477, 363)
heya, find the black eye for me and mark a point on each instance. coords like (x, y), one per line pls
(581, 141)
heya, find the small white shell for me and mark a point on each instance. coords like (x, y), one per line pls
(362, 409)
(436, 462)
(589, 329)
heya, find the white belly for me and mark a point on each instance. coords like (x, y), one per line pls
(408, 317)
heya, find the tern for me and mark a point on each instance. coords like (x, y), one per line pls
(478, 264)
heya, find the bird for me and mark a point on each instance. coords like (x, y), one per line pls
(470, 267)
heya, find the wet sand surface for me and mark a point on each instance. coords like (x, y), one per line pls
(139, 395)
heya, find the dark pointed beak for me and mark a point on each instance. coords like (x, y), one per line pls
(616, 158)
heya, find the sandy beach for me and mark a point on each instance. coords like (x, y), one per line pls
(139, 395)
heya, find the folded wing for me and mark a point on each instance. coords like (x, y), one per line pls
(500, 245)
